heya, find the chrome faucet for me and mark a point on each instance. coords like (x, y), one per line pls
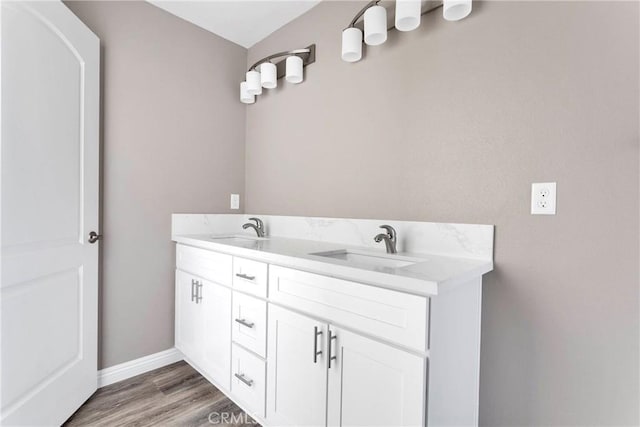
(389, 239)
(258, 226)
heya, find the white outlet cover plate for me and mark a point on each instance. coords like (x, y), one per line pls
(235, 201)
(543, 198)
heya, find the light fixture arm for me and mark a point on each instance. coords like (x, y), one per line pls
(297, 52)
(308, 56)
(359, 15)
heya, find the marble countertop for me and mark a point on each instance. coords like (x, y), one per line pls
(428, 275)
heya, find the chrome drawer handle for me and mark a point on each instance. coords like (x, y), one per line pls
(198, 292)
(243, 379)
(331, 338)
(244, 322)
(245, 276)
(316, 353)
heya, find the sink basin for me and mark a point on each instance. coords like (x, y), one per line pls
(369, 259)
(248, 242)
(237, 238)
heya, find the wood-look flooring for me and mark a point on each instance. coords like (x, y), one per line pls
(175, 395)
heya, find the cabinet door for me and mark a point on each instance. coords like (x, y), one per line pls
(296, 380)
(374, 384)
(188, 317)
(215, 340)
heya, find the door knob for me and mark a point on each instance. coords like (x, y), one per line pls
(94, 237)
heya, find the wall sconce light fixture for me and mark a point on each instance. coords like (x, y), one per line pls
(265, 73)
(407, 18)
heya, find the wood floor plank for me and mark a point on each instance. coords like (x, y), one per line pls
(174, 395)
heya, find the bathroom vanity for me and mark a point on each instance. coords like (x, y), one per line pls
(315, 324)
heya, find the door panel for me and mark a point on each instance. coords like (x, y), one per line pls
(367, 374)
(296, 385)
(189, 320)
(216, 339)
(49, 199)
(57, 333)
(53, 69)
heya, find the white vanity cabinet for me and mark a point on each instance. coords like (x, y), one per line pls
(298, 348)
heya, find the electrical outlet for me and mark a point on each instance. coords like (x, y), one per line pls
(235, 201)
(543, 198)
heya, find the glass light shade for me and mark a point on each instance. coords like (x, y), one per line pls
(352, 44)
(455, 10)
(375, 25)
(245, 97)
(254, 87)
(408, 14)
(294, 69)
(269, 75)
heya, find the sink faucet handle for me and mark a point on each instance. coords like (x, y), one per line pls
(390, 231)
(258, 221)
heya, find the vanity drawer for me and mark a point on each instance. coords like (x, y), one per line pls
(209, 265)
(249, 326)
(248, 380)
(391, 315)
(250, 276)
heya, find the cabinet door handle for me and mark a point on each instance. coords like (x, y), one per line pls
(193, 286)
(244, 322)
(316, 353)
(331, 338)
(245, 276)
(198, 292)
(242, 378)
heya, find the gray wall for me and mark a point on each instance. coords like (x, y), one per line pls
(173, 141)
(452, 123)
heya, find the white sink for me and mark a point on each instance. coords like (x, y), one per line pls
(248, 242)
(369, 259)
(236, 237)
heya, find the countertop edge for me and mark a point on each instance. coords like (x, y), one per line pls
(416, 286)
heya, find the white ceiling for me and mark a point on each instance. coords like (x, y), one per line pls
(244, 22)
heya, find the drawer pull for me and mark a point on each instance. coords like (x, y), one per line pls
(244, 322)
(242, 378)
(316, 353)
(245, 276)
(331, 338)
(198, 292)
(193, 293)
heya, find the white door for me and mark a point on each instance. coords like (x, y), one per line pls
(216, 337)
(49, 205)
(296, 369)
(189, 318)
(374, 384)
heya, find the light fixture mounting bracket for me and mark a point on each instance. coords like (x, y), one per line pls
(308, 55)
(426, 8)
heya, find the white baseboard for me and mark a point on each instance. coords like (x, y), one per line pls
(139, 366)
